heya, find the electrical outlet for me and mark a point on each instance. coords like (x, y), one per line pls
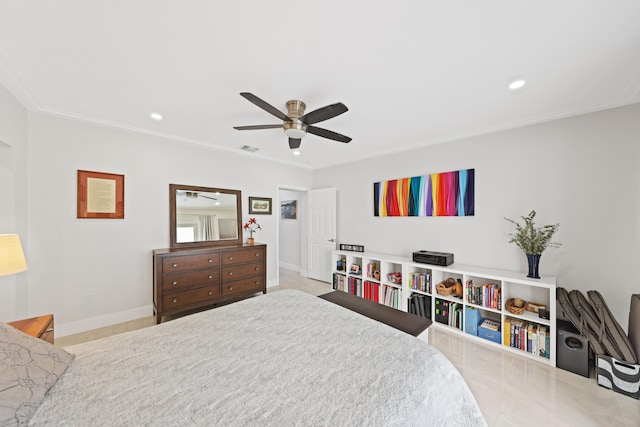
(90, 299)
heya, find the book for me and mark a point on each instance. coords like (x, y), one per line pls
(507, 331)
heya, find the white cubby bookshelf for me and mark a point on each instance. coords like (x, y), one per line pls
(421, 279)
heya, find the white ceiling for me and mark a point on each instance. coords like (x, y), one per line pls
(411, 72)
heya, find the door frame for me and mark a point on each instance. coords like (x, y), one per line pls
(304, 232)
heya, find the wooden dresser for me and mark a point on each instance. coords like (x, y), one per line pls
(188, 279)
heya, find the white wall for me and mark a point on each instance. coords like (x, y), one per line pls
(290, 233)
(581, 172)
(109, 261)
(13, 147)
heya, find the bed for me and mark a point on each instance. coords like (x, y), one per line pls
(286, 358)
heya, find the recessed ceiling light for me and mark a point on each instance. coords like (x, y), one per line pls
(296, 153)
(517, 84)
(156, 116)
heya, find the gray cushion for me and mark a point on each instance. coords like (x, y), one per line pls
(29, 367)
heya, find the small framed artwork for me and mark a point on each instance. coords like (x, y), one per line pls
(100, 195)
(260, 205)
(289, 209)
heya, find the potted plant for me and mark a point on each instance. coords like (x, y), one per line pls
(533, 241)
(252, 226)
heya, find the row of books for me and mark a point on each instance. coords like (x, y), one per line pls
(527, 336)
(339, 282)
(421, 305)
(487, 294)
(390, 296)
(450, 313)
(373, 291)
(420, 281)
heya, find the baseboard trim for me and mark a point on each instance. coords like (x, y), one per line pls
(291, 267)
(84, 325)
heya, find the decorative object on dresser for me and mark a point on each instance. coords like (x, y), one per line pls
(251, 226)
(38, 327)
(533, 241)
(188, 279)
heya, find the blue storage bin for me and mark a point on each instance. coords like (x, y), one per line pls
(472, 320)
(487, 330)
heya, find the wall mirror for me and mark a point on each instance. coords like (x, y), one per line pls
(204, 216)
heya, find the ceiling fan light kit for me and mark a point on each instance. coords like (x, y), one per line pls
(295, 123)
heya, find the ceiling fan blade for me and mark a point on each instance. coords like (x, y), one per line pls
(256, 127)
(328, 134)
(294, 143)
(265, 106)
(324, 113)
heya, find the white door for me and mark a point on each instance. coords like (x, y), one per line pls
(322, 232)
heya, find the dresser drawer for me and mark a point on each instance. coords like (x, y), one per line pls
(243, 255)
(182, 298)
(177, 281)
(242, 271)
(244, 285)
(190, 262)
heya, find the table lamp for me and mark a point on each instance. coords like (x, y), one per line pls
(11, 256)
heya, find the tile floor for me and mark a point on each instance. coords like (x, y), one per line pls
(510, 390)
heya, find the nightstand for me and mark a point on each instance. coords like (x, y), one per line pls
(39, 327)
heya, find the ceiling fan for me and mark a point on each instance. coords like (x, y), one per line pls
(295, 123)
(194, 195)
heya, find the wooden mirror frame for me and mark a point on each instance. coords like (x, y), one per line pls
(173, 188)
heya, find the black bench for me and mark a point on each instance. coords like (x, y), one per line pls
(406, 322)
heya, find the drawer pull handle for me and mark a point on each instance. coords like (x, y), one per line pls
(210, 293)
(257, 268)
(210, 260)
(210, 277)
(231, 273)
(174, 282)
(230, 258)
(257, 282)
(230, 288)
(48, 330)
(175, 300)
(174, 265)
(257, 253)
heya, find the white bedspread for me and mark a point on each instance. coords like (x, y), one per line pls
(282, 359)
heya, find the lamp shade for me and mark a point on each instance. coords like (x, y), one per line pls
(11, 256)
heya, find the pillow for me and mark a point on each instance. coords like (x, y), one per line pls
(29, 367)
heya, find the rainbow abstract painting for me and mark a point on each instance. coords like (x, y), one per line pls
(438, 194)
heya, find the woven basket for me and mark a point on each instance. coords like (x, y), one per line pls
(446, 287)
(516, 305)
